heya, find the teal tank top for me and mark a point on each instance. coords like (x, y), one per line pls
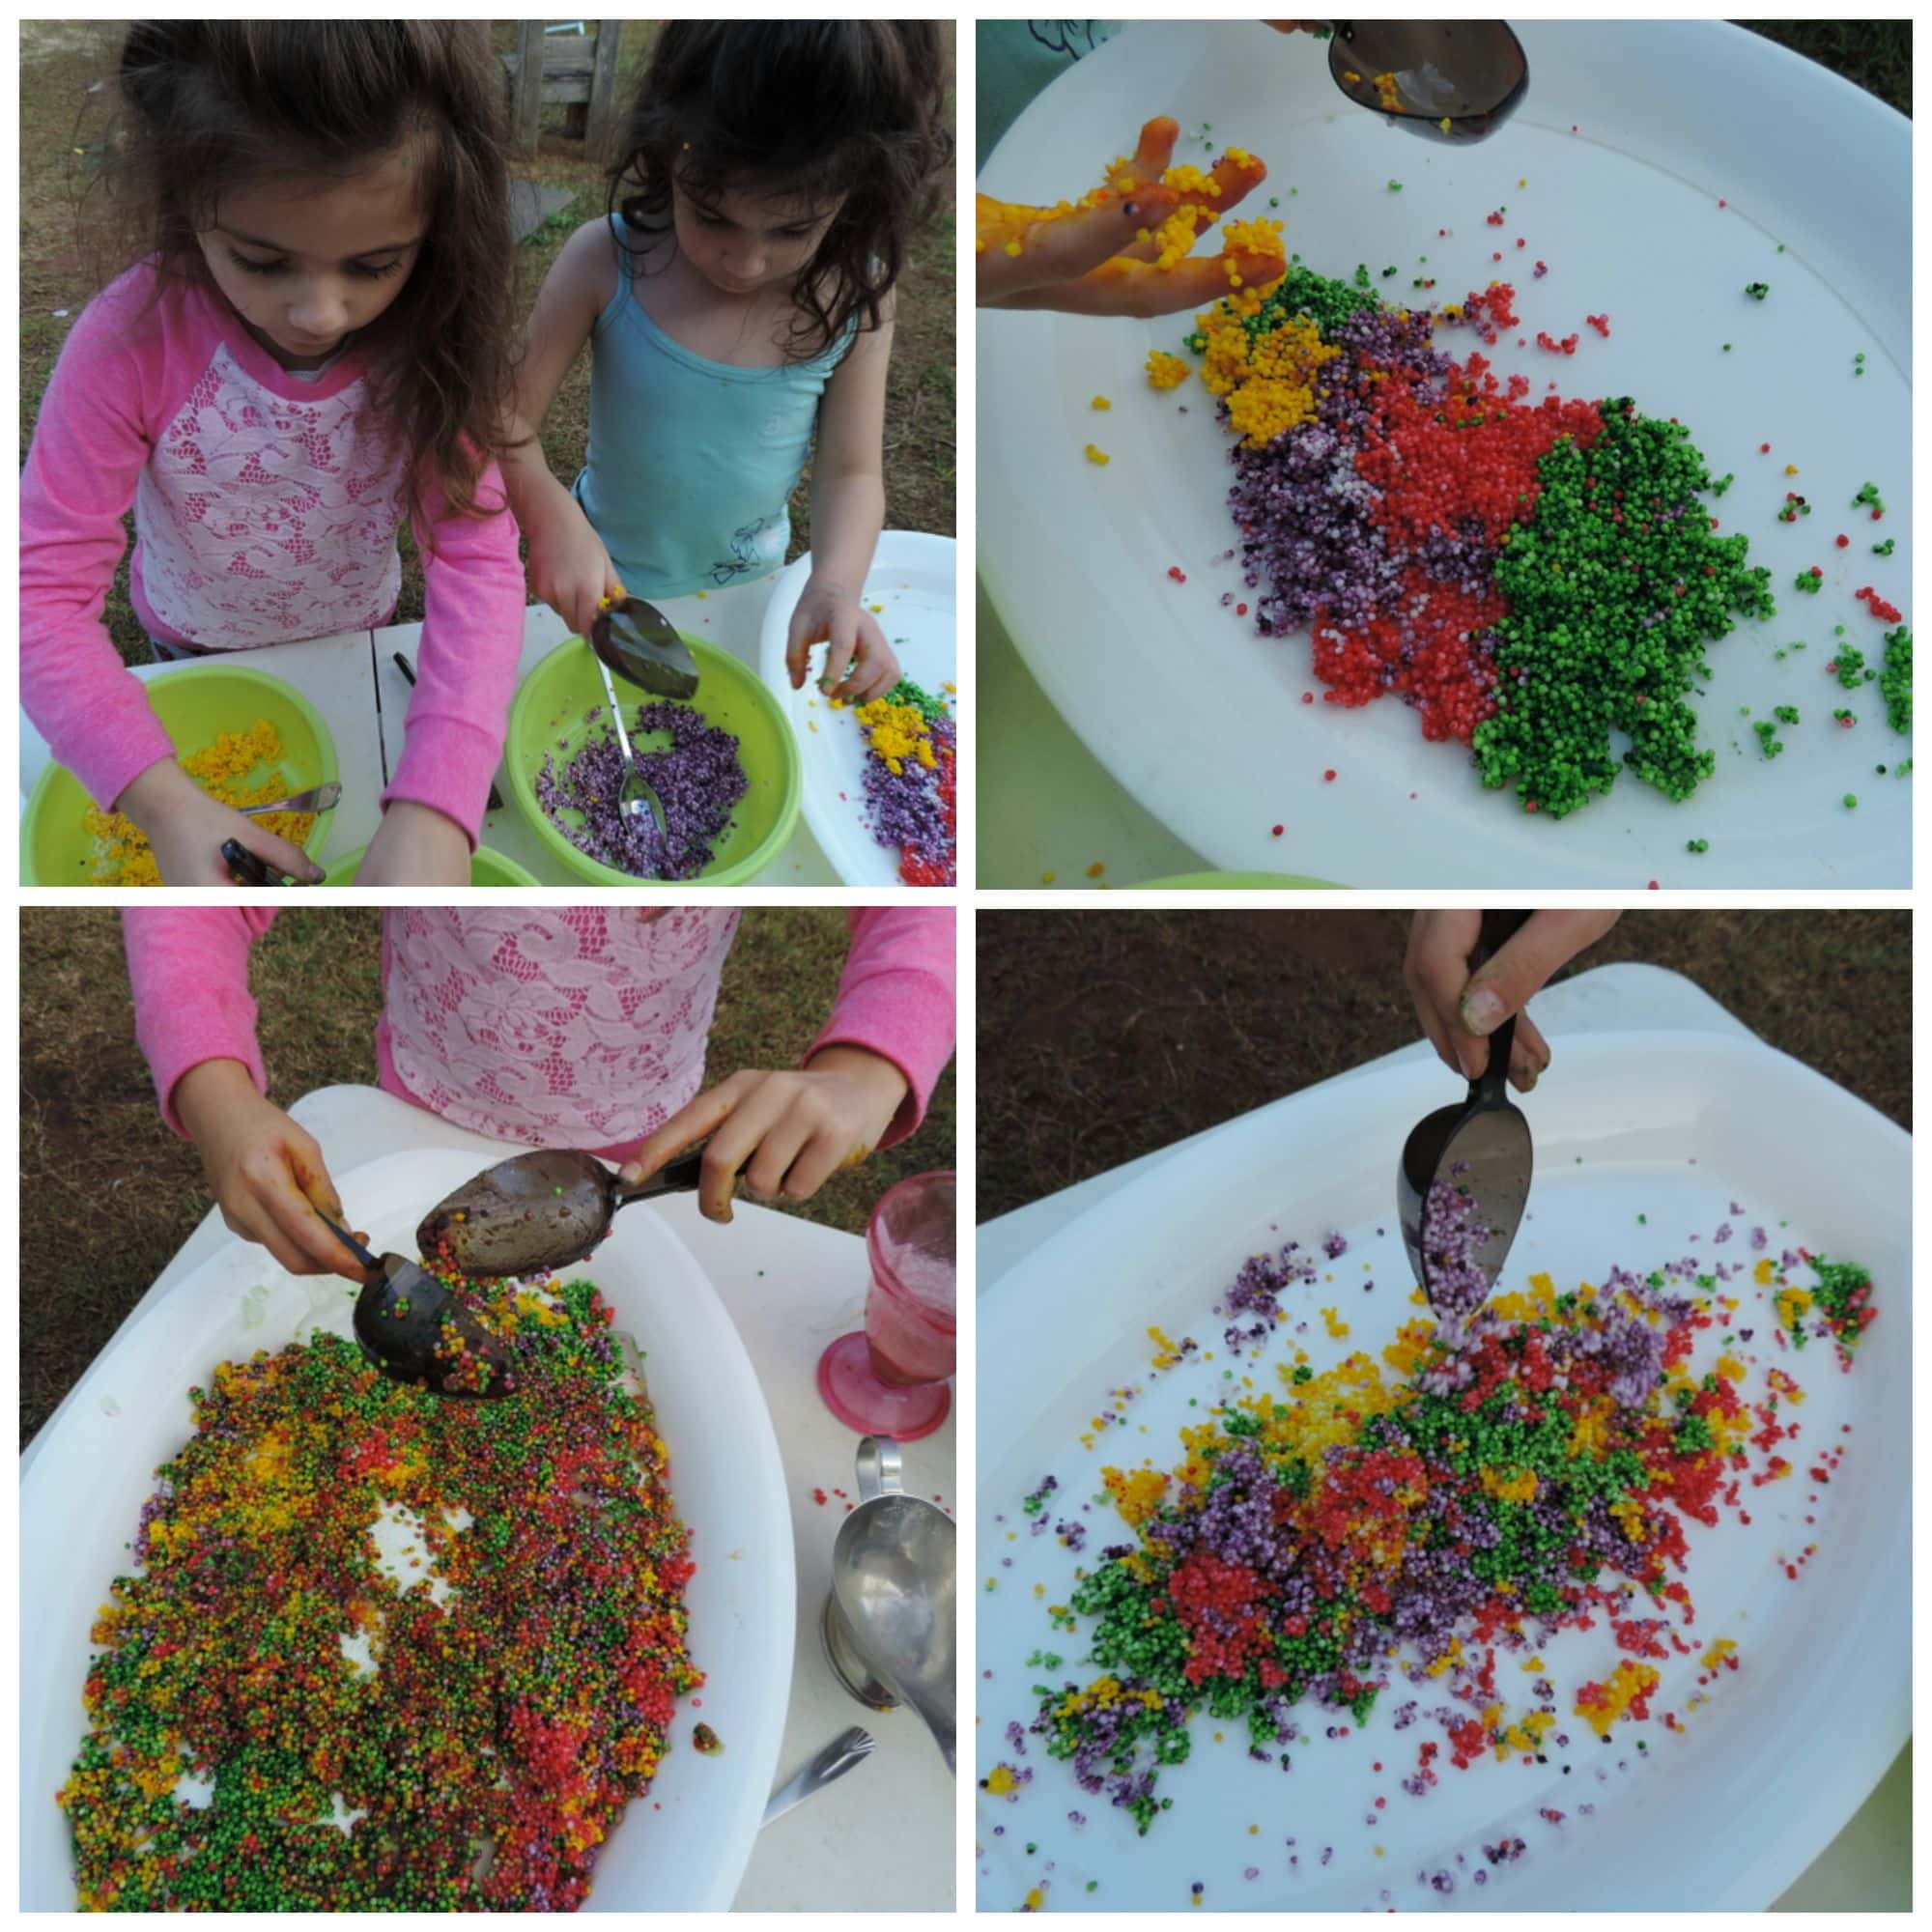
(691, 463)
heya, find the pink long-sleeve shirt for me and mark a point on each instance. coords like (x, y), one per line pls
(266, 511)
(559, 1027)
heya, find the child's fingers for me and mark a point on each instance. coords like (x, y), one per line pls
(1530, 1040)
(290, 1231)
(775, 1152)
(824, 1153)
(691, 1123)
(734, 1144)
(1505, 982)
(870, 680)
(841, 651)
(1062, 247)
(276, 850)
(1129, 288)
(1154, 152)
(585, 605)
(806, 630)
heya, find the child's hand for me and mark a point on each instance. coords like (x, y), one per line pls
(265, 1174)
(188, 830)
(416, 845)
(788, 1131)
(1088, 260)
(829, 613)
(1459, 1012)
(570, 569)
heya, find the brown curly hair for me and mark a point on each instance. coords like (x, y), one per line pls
(813, 108)
(207, 104)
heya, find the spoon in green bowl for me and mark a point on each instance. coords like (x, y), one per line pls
(637, 640)
(635, 794)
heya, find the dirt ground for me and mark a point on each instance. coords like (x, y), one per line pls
(107, 1194)
(65, 75)
(1104, 1036)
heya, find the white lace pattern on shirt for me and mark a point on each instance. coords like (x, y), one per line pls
(573, 1027)
(263, 519)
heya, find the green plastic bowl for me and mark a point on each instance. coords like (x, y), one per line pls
(486, 868)
(552, 703)
(196, 704)
(1197, 882)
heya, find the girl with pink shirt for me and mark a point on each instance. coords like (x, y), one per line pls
(557, 1026)
(313, 345)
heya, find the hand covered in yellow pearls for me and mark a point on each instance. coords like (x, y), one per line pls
(1124, 248)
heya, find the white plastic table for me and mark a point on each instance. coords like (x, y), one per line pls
(353, 682)
(790, 1287)
(1867, 1868)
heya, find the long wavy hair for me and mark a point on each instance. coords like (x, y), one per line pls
(207, 106)
(807, 108)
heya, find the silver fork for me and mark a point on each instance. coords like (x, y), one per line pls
(320, 798)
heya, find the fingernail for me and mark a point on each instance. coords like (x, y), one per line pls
(1483, 1011)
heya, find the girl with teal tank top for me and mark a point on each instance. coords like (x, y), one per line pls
(737, 302)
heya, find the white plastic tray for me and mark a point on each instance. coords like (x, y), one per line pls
(1672, 118)
(1722, 1815)
(913, 576)
(83, 1494)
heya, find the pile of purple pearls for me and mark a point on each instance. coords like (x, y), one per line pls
(699, 780)
(1454, 1235)
(904, 809)
(1304, 510)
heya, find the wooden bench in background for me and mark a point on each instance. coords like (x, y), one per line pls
(575, 70)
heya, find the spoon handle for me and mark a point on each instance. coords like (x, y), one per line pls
(842, 1755)
(679, 1176)
(1492, 1084)
(350, 1242)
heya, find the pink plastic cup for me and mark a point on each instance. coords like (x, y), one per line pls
(891, 1379)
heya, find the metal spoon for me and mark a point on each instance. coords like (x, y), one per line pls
(890, 1624)
(845, 1753)
(1454, 80)
(1463, 1177)
(320, 798)
(539, 1211)
(410, 1326)
(636, 795)
(637, 640)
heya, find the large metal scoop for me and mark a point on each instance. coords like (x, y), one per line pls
(637, 640)
(1462, 1181)
(1446, 80)
(538, 1213)
(890, 1622)
(412, 1328)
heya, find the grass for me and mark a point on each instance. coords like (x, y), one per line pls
(62, 61)
(109, 1195)
(1874, 54)
(1106, 1035)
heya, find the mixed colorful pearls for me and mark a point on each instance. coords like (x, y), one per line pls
(911, 781)
(1530, 1467)
(277, 1725)
(1533, 578)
